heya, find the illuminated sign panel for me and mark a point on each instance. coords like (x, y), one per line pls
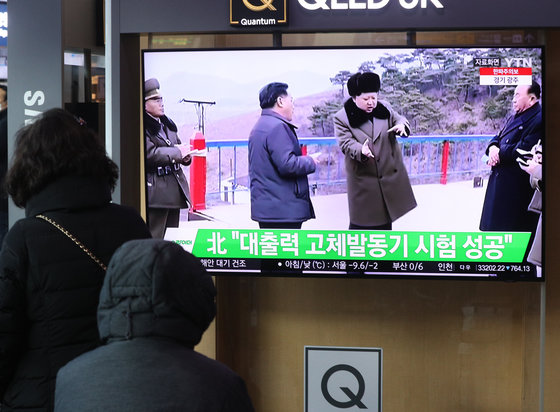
(249, 13)
(366, 4)
(453, 116)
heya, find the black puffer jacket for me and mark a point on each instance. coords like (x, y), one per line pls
(49, 288)
(156, 302)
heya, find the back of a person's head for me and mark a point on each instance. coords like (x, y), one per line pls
(54, 145)
(161, 289)
(269, 93)
(535, 88)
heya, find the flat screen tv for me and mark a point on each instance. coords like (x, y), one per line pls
(455, 99)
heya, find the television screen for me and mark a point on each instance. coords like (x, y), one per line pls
(450, 192)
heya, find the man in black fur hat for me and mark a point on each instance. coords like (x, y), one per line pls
(379, 191)
(168, 189)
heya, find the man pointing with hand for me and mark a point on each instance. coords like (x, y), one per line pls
(379, 191)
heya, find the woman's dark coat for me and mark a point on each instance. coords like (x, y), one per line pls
(379, 191)
(509, 192)
(49, 288)
(278, 172)
(155, 303)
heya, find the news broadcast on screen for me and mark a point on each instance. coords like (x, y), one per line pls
(419, 162)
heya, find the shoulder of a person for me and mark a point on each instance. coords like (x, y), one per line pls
(271, 116)
(123, 208)
(386, 104)
(280, 125)
(126, 212)
(23, 226)
(341, 116)
(15, 239)
(531, 119)
(533, 113)
(170, 124)
(341, 113)
(538, 114)
(216, 366)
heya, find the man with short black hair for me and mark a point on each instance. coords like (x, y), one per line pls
(168, 189)
(277, 169)
(509, 192)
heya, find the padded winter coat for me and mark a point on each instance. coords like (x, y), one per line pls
(49, 288)
(155, 303)
(278, 172)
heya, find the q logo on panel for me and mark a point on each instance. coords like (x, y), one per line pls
(266, 4)
(339, 379)
(354, 399)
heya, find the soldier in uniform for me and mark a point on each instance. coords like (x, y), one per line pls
(168, 189)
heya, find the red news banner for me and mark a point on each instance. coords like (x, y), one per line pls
(492, 76)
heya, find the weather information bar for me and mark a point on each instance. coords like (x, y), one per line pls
(487, 254)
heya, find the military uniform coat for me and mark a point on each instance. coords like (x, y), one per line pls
(379, 191)
(167, 191)
(509, 192)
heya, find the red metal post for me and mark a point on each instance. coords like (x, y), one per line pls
(198, 173)
(444, 162)
(304, 150)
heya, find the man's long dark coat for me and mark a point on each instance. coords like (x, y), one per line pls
(509, 191)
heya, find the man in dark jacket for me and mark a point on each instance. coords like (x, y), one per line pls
(509, 193)
(277, 170)
(168, 189)
(155, 304)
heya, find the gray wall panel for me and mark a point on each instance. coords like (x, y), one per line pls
(35, 64)
(139, 16)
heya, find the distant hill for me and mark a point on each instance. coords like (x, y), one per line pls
(239, 127)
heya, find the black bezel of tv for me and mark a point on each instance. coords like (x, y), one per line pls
(185, 84)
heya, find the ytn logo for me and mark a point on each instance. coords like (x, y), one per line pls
(364, 4)
(518, 62)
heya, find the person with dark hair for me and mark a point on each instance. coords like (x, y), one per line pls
(168, 189)
(509, 192)
(277, 169)
(379, 190)
(156, 302)
(3, 159)
(52, 262)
